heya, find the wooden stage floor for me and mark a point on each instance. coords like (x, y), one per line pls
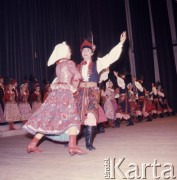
(147, 143)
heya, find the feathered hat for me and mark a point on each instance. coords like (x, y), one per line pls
(88, 43)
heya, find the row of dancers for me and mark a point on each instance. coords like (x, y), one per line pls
(18, 104)
(132, 102)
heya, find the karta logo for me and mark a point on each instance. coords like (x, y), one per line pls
(113, 169)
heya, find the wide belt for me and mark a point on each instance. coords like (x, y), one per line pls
(88, 84)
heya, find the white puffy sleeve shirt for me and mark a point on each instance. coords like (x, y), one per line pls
(111, 57)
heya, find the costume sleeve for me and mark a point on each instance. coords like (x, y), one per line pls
(103, 75)
(107, 60)
(154, 90)
(120, 82)
(74, 71)
(138, 86)
(76, 76)
(161, 94)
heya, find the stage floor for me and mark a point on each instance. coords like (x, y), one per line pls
(145, 144)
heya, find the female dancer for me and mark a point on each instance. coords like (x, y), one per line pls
(58, 118)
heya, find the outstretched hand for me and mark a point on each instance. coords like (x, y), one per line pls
(123, 37)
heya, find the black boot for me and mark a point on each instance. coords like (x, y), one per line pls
(161, 115)
(172, 113)
(167, 114)
(154, 116)
(149, 118)
(89, 136)
(140, 118)
(100, 128)
(130, 122)
(82, 132)
(117, 123)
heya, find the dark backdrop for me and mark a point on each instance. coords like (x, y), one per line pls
(31, 28)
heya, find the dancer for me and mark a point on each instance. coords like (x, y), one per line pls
(142, 109)
(58, 118)
(11, 110)
(110, 105)
(88, 92)
(36, 98)
(123, 110)
(24, 105)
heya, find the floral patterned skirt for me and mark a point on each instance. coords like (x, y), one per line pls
(56, 115)
(110, 108)
(88, 102)
(11, 112)
(25, 111)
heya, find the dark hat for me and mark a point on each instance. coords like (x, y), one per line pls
(26, 81)
(13, 81)
(87, 44)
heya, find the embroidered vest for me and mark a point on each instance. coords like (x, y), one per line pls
(141, 93)
(123, 91)
(92, 71)
(94, 74)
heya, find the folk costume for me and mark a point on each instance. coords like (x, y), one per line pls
(11, 110)
(110, 105)
(155, 94)
(36, 99)
(143, 105)
(132, 103)
(57, 118)
(123, 103)
(24, 105)
(89, 92)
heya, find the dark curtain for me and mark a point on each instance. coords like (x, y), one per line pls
(165, 54)
(174, 3)
(31, 28)
(142, 41)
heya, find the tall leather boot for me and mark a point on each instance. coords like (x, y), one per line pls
(130, 122)
(117, 123)
(154, 116)
(161, 115)
(172, 113)
(167, 114)
(89, 136)
(73, 148)
(32, 147)
(140, 118)
(100, 128)
(149, 118)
